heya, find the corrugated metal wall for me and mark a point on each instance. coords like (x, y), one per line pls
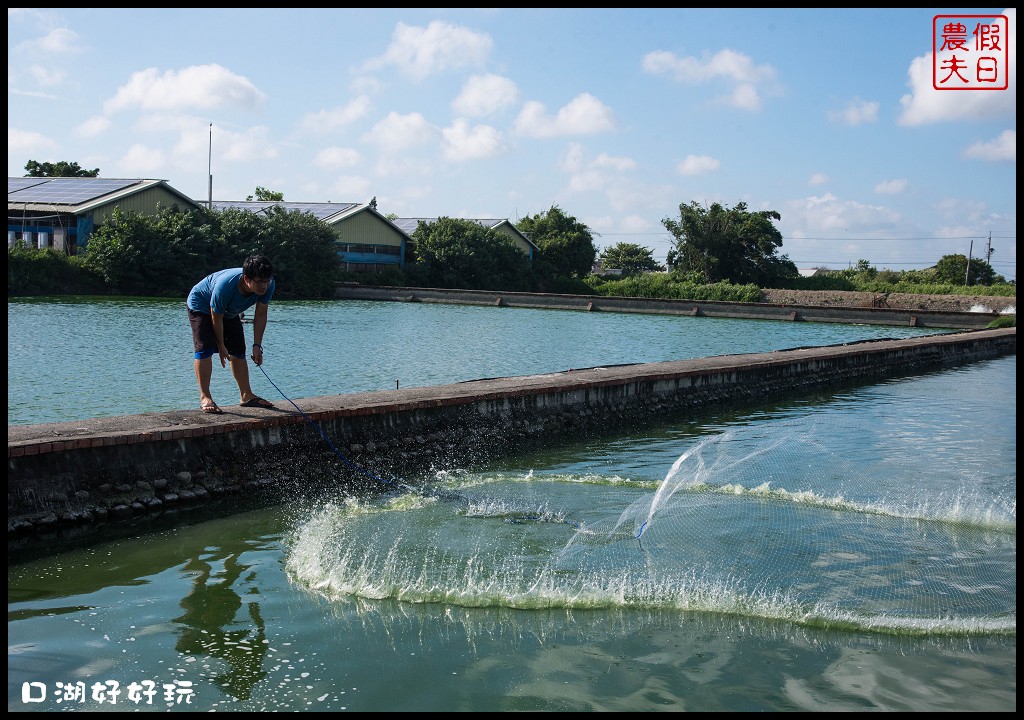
(143, 202)
(516, 238)
(364, 228)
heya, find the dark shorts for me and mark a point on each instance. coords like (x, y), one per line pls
(205, 340)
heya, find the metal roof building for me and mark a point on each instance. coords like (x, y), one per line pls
(502, 226)
(367, 241)
(61, 212)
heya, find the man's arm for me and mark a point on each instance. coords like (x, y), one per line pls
(259, 325)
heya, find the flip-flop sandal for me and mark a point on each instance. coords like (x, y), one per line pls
(257, 402)
(211, 409)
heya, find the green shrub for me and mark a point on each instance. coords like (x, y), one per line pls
(910, 282)
(49, 272)
(668, 286)
(1003, 321)
(567, 286)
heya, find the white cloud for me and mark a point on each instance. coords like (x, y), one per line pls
(31, 93)
(609, 176)
(484, 95)
(697, 165)
(39, 59)
(59, 41)
(614, 163)
(857, 112)
(395, 132)
(198, 86)
(589, 175)
(818, 179)
(744, 97)
(419, 52)
(30, 144)
(45, 76)
(891, 187)
(333, 158)
(192, 142)
(366, 85)
(924, 104)
(827, 213)
(352, 186)
(584, 115)
(625, 195)
(1001, 148)
(94, 126)
(635, 224)
(404, 167)
(587, 181)
(750, 81)
(141, 161)
(572, 159)
(252, 144)
(329, 120)
(175, 122)
(462, 142)
(958, 214)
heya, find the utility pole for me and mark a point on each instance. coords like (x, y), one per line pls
(209, 170)
(967, 274)
(988, 250)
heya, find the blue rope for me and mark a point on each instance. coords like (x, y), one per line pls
(640, 534)
(328, 440)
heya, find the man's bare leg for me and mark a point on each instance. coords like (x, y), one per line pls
(204, 372)
(240, 371)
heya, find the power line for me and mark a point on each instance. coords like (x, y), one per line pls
(665, 234)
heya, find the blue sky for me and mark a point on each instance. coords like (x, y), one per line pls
(616, 116)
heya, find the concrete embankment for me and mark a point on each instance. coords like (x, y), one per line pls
(66, 480)
(896, 316)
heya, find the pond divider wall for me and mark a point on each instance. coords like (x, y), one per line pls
(66, 480)
(695, 308)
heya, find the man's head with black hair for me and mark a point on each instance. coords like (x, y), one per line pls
(257, 267)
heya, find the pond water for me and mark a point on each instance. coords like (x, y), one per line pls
(851, 549)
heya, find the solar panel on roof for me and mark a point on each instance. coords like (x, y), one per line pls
(68, 191)
(321, 211)
(20, 183)
(409, 225)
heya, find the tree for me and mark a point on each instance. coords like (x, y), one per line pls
(301, 246)
(165, 255)
(734, 244)
(264, 195)
(154, 256)
(59, 169)
(954, 270)
(566, 245)
(629, 258)
(454, 253)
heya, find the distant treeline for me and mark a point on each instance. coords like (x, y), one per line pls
(166, 254)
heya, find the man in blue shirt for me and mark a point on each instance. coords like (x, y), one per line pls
(215, 308)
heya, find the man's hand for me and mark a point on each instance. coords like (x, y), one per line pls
(257, 354)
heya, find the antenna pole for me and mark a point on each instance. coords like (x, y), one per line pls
(209, 170)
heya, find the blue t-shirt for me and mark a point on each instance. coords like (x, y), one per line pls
(219, 292)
